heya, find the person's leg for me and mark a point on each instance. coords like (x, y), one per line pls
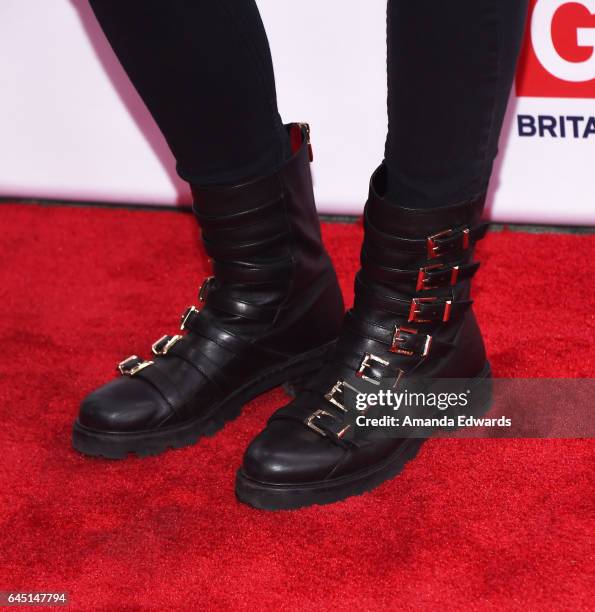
(273, 304)
(204, 70)
(450, 70)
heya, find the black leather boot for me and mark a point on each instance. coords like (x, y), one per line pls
(268, 315)
(412, 320)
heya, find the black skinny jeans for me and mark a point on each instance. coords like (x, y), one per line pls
(204, 70)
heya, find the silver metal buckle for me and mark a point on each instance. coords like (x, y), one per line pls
(397, 340)
(132, 365)
(415, 309)
(366, 363)
(434, 249)
(162, 346)
(338, 386)
(189, 312)
(204, 288)
(423, 279)
(318, 414)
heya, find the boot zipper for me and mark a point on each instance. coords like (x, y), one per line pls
(306, 127)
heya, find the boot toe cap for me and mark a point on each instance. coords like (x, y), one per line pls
(123, 405)
(286, 452)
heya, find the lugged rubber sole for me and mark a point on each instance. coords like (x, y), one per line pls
(269, 496)
(118, 445)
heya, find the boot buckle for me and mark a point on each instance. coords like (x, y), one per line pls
(399, 341)
(338, 386)
(162, 346)
(438, 249)
(319, 414)
(423, 279)
(416, 311)
(367, 362)
(190, 312)
(204, 288)
(133, 364)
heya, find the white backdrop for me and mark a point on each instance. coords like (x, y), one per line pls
(71, 126)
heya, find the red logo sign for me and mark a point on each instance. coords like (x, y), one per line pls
(558, 55)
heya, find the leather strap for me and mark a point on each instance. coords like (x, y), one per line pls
(236, 346)
(428, 277)
(162, 383)
(243, 233)
(418, 309)
(195, 323)
(452, 241)
(325, 420)
(241, 217)
(332, 426)
(224, 303)
(401, 340)
(196, 357)
(367, 366)
(223, 200)
(239, 272)
(234, 251)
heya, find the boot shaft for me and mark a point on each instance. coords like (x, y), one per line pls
(270, 267)
(420, 253)
(257, 229)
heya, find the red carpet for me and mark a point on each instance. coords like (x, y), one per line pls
(471, 524)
